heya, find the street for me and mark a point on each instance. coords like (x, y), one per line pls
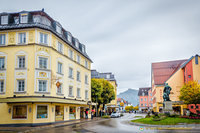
(113, 125)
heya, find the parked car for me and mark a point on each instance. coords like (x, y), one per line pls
(114, 115)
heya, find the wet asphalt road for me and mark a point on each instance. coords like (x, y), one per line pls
(113, 125)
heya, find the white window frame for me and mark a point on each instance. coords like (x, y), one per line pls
(4, 62)
(2, 81)
(60, 68)
(43, 87)
(70, 54)
(41, 57)
(22, 39)
(26, 112)
(78, 58)
(86, 79)
(70, 73)
(78, 94)
(19, 80)
(18, 58)
(47, 111)
(76, 43)
(24, 20)
(71, 95)
(86, 63)
(4, 19)
(61, 88)
(86, 96)
(58, 29)
(60, 47)
(78, 79)
(2, 39)
(69, 38)
(43, 38)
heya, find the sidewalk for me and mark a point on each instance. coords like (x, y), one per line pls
(34, 129)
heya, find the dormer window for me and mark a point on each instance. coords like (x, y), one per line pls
(16, 20)
(24, 18)
(77, 43)
(69, 38)
(83, 48)
(58, 28)
(4, 19)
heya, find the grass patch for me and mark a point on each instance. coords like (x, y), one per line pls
(166, 121)
(106, 116)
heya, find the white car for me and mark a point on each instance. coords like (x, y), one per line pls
(114, 115)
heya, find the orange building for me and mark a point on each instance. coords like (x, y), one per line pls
(175, 73)
(145, 100)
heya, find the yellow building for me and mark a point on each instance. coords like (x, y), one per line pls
(111, 78)
(176, 74)
(45, 72)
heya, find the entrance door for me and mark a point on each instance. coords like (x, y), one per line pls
(82, 112)
(59, 113)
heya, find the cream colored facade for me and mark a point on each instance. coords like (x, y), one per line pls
(33, 76)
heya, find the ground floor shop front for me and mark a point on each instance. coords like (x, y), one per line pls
(37, 113)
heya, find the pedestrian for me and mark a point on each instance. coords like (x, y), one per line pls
(86, 114)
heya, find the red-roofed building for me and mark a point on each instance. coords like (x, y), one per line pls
(175, 73)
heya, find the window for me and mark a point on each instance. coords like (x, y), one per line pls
(22, 38)
(58, 29)
(78, 59)
(20, 85)
(2, 62)
(72, 113)
(59, 67)
(60, 47)
(141, 99)
(78, 76)
(21, 61)
(86, 79)
(150, 94)
(151, 104)
(70, 72)
(141, 104)
(145, 104)
(42, 62)
(189, 76)
(4, 19)
(70, 91)
(59, 89)
(42, 111)
(42, 86)
(69, 38)
(43, 38)
(24, 18)
(86, 94)
(2, 39)
(86, 64)
(77, 43)
(70, 54)
(78, 92)
(1, 86)
(145, 99)
(142, 93)
(19, 112)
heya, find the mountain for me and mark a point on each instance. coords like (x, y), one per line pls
(131, 95)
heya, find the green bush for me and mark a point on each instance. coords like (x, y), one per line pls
(106, 116)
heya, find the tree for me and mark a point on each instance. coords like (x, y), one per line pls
(136, 108)
(121, 104)
(108, 93)
(131, 108)
(190, 93)
(127, 108)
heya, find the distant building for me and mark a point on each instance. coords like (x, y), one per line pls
(111, 78)
(121, 100)
(176, 74)
(145, 99)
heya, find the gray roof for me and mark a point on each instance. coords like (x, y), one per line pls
(143, 91)
(31, 24)
(98, 75)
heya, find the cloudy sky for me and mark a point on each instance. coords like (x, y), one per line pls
(125, 36)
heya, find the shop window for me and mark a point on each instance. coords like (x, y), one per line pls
(21, 61)
(2, 62)
(19, 112)
(2, 39)
(72, 113)
(42, 111)
(59, 113)
(22, 38)
(43, 38)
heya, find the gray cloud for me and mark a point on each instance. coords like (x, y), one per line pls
(126, 36)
